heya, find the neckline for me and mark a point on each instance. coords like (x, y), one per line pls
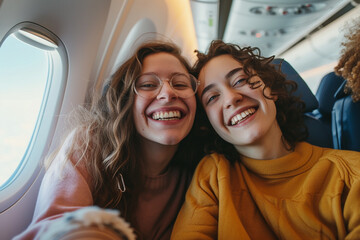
(161, 181)
(291, 164)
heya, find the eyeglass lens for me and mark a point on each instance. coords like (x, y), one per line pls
(149, 85)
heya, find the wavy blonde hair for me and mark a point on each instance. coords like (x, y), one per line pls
(349, 63)
(105, 137)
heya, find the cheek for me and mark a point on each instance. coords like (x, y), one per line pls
(191, 104)
(270, 108)
(273, 106)
(267, 91)
(139, 108)
(136, 111)
(213, 117)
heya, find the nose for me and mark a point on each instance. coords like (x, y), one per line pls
(166, 92)
(231, 98)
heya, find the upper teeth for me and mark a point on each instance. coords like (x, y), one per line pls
(238, 117)
(166, 115)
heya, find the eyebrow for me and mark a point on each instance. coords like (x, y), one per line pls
(227, 76)
(232, 72)
(207, 88)
(157, 74)
(168, 76)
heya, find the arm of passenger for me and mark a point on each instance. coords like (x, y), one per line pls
(198, 217)
(64, 188)
(351, 210)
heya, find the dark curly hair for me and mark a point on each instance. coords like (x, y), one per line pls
(289, 108)
(349, 63)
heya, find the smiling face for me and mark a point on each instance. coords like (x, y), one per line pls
(165, 119)
(241, 115)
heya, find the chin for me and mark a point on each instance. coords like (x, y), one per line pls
(172, 138)
(170, 142)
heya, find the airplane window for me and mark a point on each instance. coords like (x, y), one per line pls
(23, 77)
(33, 74)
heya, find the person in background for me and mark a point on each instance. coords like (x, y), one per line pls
(346, 109)
(134, 150)
(262, 181)
(348, 66)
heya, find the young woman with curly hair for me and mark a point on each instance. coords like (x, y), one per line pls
(134, 150)
(262, 181)
(349, 63)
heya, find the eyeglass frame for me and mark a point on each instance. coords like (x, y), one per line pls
(169, 80)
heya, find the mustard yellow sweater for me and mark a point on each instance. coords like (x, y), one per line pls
(312, 193)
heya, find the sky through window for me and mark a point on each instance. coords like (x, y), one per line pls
(23, 76)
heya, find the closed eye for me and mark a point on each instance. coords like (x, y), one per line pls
(180, 86)
(147, 86)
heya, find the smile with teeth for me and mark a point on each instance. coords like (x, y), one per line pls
(170, 115)
(241, 116)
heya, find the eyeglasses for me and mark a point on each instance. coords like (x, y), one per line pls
(149, 85)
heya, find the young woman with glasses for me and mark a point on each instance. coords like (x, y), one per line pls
(134, 150)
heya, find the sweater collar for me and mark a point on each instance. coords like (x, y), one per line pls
(292, 164)
(154, 183)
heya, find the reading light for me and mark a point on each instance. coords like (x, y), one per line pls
(35, 38)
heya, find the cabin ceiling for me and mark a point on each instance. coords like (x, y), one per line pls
(272, 25)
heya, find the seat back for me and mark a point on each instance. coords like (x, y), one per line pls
(345, 121)
(302, 91)
(329, 84)
(319, 133)
(325, 95)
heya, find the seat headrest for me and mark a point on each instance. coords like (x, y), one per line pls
(340, 91)
(302, 91)
(329, 84)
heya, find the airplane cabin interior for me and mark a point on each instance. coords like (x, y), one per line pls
(81, 43)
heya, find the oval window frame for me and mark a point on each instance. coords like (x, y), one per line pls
(31, 163)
